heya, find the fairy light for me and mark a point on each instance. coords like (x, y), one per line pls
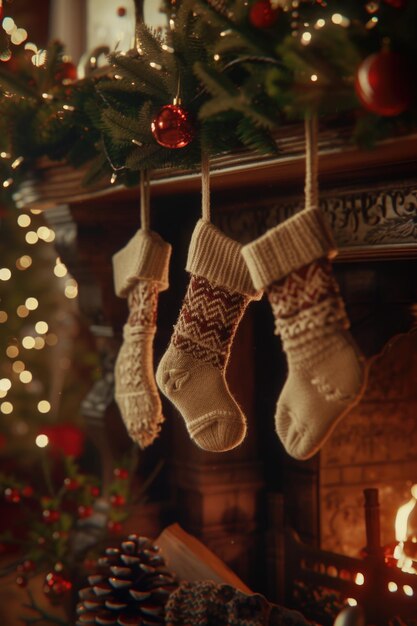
(6, 408)
(17, 162)
(7, 183)
(31, 303)
(352, 602)
(113, 178)
(31, 237)
(408, 590)
(306, 38)
(359, 579)
(5, 274)
(3, 317)
(216, 57)
(392, 586)
(5, 384)
(44, 406)
(25, 377)
(42, 441)
(24, 262)
(24, 220)
(60, 270)
(18, 367)
(39, 343)
(71, 288)
(68, 107)
(314, 78)
(28, 342)
(12, 352)
(41, 327)
(43, 232)
(155, 66)
(5, 155)
(51, 236)
(320, 23)
(22, 311)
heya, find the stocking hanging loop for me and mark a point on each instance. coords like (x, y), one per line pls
(205, 187)
(145, 200)
(311, 188)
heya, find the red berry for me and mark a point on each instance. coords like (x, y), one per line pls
(114, 527)
(50, 516)
(26, 566)
(12, 495)
(121, 473)
(117, 500)
(262, 14)
(21, 581)
(71, 484)
(95, 491)
(85, 511)
(121, 11)
(27, 491)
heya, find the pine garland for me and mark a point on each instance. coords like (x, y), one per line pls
(239, 83)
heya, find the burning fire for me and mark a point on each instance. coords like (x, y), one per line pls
(405, 535)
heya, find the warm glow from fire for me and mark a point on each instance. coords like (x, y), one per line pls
(402, 534)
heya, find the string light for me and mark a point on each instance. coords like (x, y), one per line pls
(42, 441)
(5, 273)
(24, 220)
(39, 343)
(25, 377)
(3, 317)
(28, 342)
(60, 270)
(24, 262)
(51, 339)
(71, 288)
(17, 162)
(43, 232)
(44, 406)
(314, 78)
(31, 237)
(41, 327)
(5, 384)
(22, 311)
(7, 183)
(32, 304)
(18, 366)
(6, 408)
(12, 352)
(305, 38)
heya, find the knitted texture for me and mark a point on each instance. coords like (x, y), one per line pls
(298, 241)
(140, 272)
(191, 372)
(209, 604)
(325, 371)
(145, 257)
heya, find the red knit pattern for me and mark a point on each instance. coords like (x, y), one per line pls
(208, 321)
(303, 288)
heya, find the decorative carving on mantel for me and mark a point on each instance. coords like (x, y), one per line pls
(368, 221)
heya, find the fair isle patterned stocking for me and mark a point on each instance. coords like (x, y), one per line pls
(140, 273)
(192, 371)
(325, 369)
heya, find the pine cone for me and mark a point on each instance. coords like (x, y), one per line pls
(130, 589)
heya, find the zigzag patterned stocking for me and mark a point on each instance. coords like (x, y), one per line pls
(191, 372)
(325, 369)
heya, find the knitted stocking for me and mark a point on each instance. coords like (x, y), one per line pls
(325, 371)
(140, 272)
(191, 372)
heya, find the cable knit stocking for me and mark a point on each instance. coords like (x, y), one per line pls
(325, 370)
(191, 372)
(141, 272)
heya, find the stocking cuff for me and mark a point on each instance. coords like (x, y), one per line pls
(283, 249)
(218, 258)
(145, 257)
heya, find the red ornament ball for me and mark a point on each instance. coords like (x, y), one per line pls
(117, 500)
(27, 491)
(67, 71)
(172, 127)
(262, 14)
(121, 11)
(95, 491)
(383, 83)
